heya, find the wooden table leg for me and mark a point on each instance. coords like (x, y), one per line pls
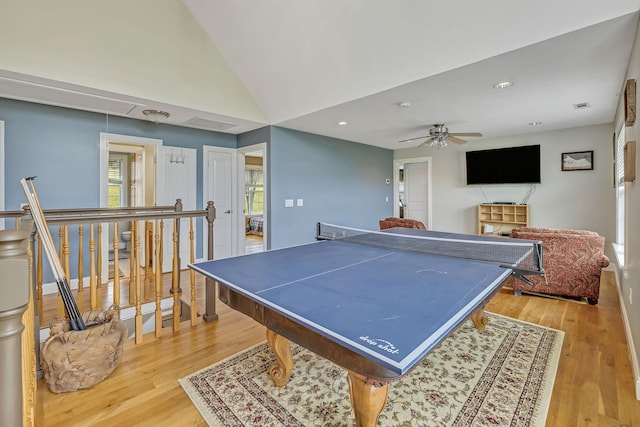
(280, 371)
(480, 319)
(367, 399)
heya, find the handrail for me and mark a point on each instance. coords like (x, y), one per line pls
(154, 217)
(130, 217)
(50, 212)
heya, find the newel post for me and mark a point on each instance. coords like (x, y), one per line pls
(210, 284)
(14, 299)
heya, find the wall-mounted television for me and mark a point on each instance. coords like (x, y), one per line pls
(513, 165)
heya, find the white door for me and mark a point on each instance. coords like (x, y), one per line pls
(218, 187)
(176, 179)
(416, 194)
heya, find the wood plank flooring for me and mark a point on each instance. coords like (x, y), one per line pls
(593, 386)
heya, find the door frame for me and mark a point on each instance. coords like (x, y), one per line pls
(105, 138)
(262, 146)
(2, 172)
(396, 185)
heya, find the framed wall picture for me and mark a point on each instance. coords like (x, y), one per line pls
(577, 161)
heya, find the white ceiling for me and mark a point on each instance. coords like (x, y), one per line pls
(311, 63)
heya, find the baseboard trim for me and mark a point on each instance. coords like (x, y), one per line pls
(635, 367)
(127, 315)
(52, 287)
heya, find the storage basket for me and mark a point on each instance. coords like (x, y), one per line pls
(73, 360)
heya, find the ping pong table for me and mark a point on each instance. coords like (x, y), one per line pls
(374, 303)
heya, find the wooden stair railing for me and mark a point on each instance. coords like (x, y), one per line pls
(146, 254)
(22, 409)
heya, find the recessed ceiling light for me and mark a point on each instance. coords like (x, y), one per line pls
(502, 85)
(342, 123)
(534, 123)
(405, 104)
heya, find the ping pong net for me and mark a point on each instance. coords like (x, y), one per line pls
(523, 257)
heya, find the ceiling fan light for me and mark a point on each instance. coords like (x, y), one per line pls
(156, 116)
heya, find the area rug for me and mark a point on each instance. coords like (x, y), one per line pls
(502, 376)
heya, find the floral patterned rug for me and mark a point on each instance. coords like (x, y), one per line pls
(502, 376)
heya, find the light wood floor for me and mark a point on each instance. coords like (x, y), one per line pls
(593, 387)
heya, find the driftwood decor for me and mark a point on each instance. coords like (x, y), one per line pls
(630, 102)
(630, 161)
(74, 360)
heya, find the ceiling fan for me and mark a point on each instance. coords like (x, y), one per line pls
(439, 135)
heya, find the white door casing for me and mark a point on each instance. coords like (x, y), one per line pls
(415, 181)
(148, 177)
(220, 187)
(241, 232)
(2, 169)
(417, 188)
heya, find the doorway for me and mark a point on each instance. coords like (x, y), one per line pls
(120, 188)
(253, 178)
(412, 189)
(127, 178)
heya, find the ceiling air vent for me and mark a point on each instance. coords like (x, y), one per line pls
(581, 106)
(209, 124)
(75, 97)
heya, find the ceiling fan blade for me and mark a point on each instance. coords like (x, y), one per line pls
(426, 141)
(412, 139)
(465, 134)
(455, 139)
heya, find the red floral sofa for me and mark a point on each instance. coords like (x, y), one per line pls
(572, 259)
(393, 222)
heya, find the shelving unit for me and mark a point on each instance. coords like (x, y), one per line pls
(498, 219)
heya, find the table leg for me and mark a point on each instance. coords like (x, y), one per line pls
(367, 399)
(480, 319)
(280, 371)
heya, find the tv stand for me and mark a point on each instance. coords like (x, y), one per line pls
(498, 219)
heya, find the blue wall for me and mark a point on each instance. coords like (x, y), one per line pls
(61, 147)
(340, 182)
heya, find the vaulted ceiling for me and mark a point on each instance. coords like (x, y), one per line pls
(309, 65)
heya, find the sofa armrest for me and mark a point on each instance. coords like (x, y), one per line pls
(603, 261)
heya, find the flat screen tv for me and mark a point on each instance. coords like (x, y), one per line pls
(513, 165)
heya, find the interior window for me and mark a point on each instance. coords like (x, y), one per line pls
(117, 195)
(253, 190)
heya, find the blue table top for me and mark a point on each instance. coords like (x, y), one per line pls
(391, 306)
